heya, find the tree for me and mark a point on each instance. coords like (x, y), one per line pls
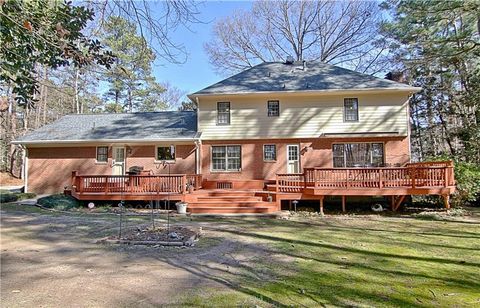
(43, 33)
(438, 45)
(130, 79)
(155, 21)
(337, 32)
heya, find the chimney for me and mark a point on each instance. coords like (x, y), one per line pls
(289, 60)
(396, 76)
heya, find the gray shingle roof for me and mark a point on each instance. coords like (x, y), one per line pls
(117, 126)
(281, 77)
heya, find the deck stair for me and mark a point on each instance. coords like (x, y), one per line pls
(229, 202)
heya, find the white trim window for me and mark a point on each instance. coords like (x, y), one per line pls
(227, 158)
(273, 108)
(223, 113)
(269, 152)
(350, 109)
(358, 155)
(101, 154)
(165, 153)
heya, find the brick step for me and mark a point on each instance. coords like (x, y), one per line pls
(235, 204)
(228, 198)
(232, 210)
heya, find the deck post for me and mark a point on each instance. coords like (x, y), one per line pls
(74, 177)
(446, 201)
(321, 206)
(344, 201)
(276, 183)
(445, 174)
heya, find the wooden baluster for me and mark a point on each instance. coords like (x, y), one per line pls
(380, 178)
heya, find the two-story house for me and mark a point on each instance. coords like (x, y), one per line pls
(279, 128)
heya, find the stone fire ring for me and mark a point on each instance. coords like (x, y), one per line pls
(187, 243)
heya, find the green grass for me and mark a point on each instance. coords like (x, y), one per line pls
(363, 261)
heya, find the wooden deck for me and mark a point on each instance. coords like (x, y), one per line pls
(134, 187)
(428, 178)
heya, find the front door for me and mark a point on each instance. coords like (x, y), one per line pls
(118, 164)
(293, 158)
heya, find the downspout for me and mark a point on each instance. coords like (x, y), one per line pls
(198, 148)
(198, 143)
(25, 168)
(409, 130)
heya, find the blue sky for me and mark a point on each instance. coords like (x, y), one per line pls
(196, 73)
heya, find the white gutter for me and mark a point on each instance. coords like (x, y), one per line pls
(350, 90)
(105, 141)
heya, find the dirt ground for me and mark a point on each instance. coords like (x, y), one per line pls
(52, 261)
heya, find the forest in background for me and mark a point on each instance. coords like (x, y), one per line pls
(59, 58)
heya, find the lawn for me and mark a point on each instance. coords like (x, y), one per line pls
(366, 260)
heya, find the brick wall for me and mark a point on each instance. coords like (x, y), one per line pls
(313, 153)
(50, 169)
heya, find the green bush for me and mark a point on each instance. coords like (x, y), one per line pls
(467, 176)
(59, 202)
(8, 196)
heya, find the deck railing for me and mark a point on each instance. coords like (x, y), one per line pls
(414, 175)
(134, 184)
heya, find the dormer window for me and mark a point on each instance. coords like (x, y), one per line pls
(273, 108)
(223, 113)
(350, 109)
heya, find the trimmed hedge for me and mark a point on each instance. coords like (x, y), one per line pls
(59, 202)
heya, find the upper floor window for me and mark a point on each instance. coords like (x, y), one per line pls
(165, 153)
(269, 152)
(102, 154)
(350, 109)
(273, 108)
(223, 113)
(227, 158)
(358, 155)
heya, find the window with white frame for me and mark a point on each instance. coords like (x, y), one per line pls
(223, 113)
(165, 153)
(227, 158)
(350, 109)
(358, 155)
(269, 152)
(273, 108)
(102, 154)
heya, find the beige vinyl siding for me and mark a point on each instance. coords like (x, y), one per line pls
(303, 116)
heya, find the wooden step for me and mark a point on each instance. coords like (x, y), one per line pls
(228, 198)
(271, 187)
(232, 210)
(231, 193)
(231, 204)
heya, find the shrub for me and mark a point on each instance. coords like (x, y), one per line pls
(59, 202)
(467, 176)
(8, 196)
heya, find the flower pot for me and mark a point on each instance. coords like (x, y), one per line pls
(181, 207)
